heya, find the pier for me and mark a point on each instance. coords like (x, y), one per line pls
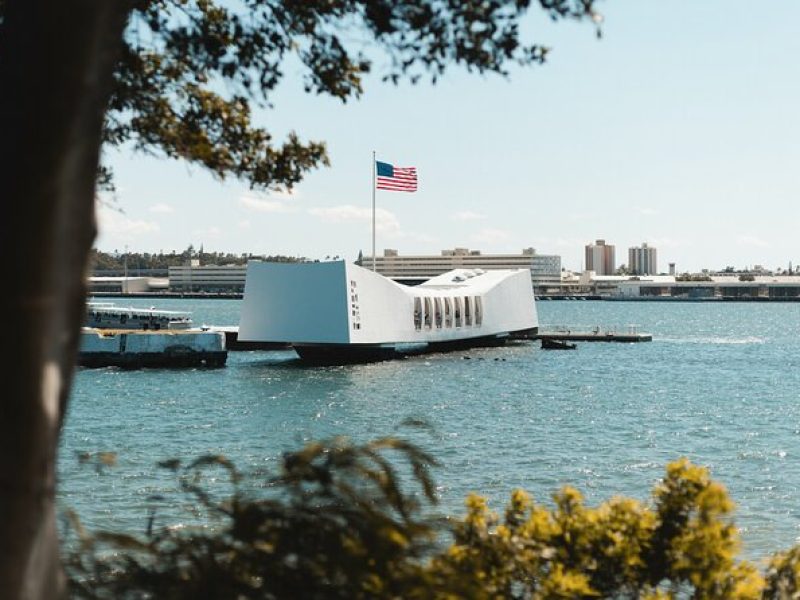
(582, 333)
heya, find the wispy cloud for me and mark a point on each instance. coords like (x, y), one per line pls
(468, 215)
(161, 208)
(207, 233)
(415, 238)
(569, 243)
(491, 236)
(646, 211)
(267, 205)
(751, 240)
(245, 224)
(667, 242)
(385, 221)
(112, 221)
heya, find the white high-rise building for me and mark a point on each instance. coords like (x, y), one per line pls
(642, 260)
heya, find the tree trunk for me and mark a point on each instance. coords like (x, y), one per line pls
(56, 63)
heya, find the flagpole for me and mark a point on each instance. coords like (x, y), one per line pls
(373, 210)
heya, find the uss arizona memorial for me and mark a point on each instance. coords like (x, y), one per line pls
(333, 310)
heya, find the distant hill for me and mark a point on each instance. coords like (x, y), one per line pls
(116, 262)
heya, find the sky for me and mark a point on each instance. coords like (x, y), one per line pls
(680, 127)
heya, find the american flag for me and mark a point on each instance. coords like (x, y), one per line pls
(395, 179)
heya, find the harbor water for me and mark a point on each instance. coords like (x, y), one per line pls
(719, 384)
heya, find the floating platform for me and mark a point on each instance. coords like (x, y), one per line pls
(134, 349)
(323, 355)
(233, 343)
(595, 334)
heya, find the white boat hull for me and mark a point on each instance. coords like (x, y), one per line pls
(136, 349)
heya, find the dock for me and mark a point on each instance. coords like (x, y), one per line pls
(625, 334)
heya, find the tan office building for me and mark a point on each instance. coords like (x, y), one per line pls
(600, 258)
(545, 269)
(642, 260)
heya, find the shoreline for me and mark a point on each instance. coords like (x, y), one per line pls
(669, 299)
(595, 298)
(203, 295)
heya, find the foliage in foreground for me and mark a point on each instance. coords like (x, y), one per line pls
(336, 522)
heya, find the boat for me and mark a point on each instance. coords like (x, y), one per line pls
(107, 315)
(336, 312)
(128, 337)
(552, 344)
(136, 349)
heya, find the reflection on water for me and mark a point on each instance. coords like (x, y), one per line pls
(718, 384)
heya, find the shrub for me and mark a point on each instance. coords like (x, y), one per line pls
(337, 522)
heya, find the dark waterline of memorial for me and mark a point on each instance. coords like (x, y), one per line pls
(719, 383)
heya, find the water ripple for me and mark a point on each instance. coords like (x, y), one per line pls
(718, 384)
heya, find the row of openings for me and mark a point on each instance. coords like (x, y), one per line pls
(448, 312)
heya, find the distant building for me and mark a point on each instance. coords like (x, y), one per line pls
(728, 286)
(600, 258)
(545, 268)
(121, 285)
(642, 260)
(207, 278)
